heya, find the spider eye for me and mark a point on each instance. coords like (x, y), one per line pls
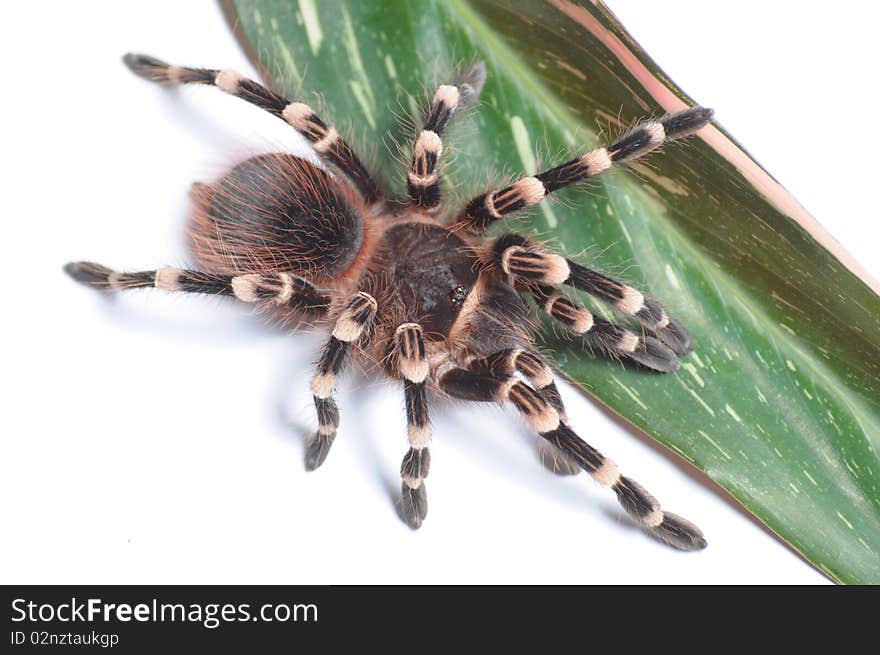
(458, 294)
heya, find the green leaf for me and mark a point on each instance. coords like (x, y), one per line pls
(779, 401)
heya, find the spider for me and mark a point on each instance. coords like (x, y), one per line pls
(420, 298)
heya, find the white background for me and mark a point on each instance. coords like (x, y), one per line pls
(159, 438)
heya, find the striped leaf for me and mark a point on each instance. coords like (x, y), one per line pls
(779, 401)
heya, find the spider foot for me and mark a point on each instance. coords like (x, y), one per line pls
(653, 354)
(676, 337)
(678, 533)
(89, 273)
(147, 67)
(414, 505)
(317, 449)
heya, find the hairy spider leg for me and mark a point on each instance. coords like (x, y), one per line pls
(540, 415)
(488, 207)
(354, 320)
(610, 338)
(539, 375)
(423, 178)
(323, 138)
(503, 363)
(283, 288)
(531, 266)
(412, 364)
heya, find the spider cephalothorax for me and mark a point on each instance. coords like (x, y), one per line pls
(425, 300)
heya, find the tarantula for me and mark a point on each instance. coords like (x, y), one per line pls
(425, 300)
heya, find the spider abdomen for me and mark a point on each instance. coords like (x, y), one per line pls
(276, 212)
